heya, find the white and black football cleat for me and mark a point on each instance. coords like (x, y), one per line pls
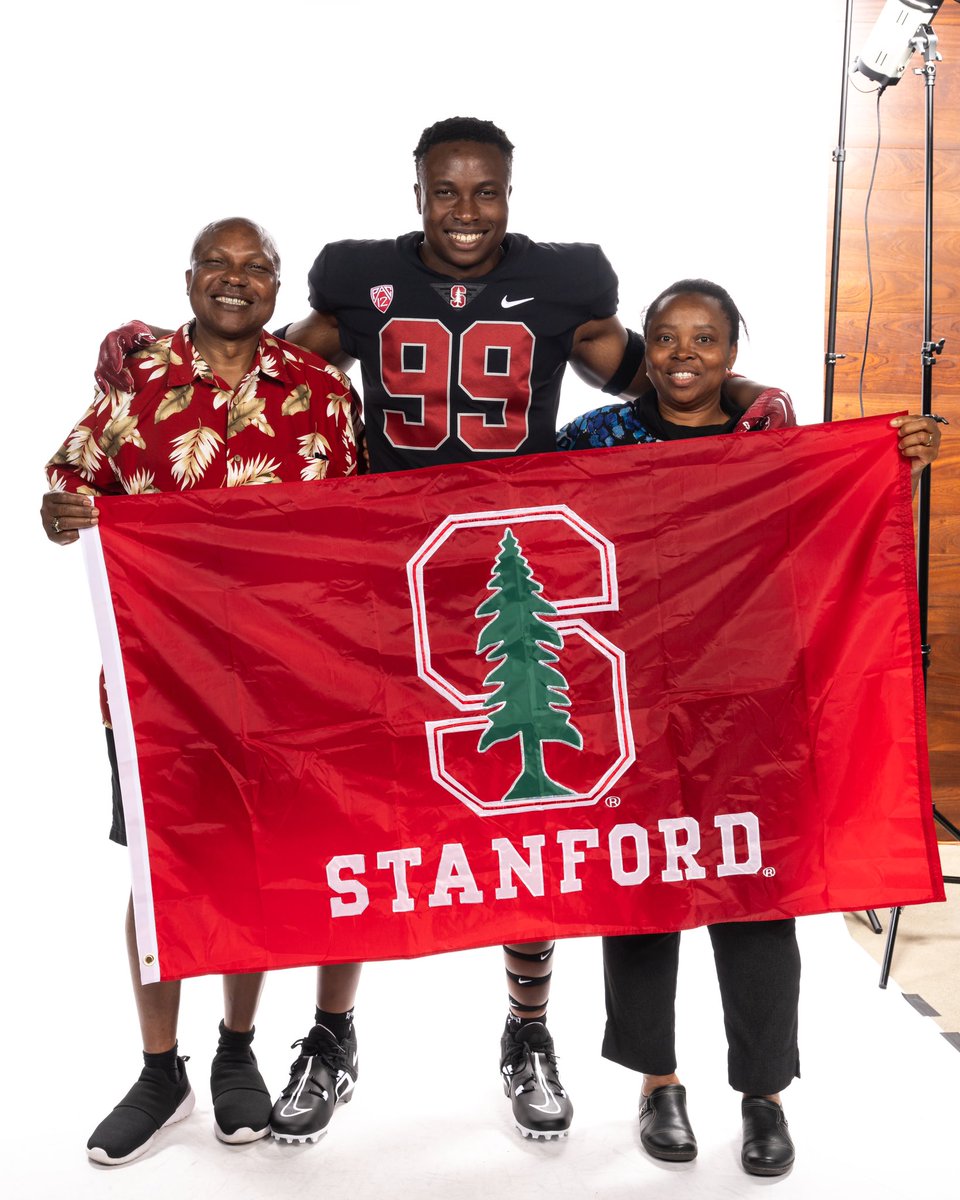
(528, 1064)
(322, 1077)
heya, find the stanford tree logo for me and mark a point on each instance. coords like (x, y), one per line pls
(540, 717)
(530, 692)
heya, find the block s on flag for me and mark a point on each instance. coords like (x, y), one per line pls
(526, 634)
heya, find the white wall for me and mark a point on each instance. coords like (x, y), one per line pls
(681, 137)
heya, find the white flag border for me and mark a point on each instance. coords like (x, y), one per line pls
(141, 882)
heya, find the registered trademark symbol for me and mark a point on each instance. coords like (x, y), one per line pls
(612, 802)
(769, 872)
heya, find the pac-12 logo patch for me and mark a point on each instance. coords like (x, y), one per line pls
(458, 296)
(382, 296)
(540, 694)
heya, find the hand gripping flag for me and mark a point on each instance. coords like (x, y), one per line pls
(609, 691)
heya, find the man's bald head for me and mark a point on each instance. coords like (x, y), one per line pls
(211, 231)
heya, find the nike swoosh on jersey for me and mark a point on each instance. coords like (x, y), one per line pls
(505, 303)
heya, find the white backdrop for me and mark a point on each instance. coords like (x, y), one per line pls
(688, 138)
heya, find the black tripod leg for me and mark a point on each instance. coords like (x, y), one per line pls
(888, 951)
(874, 922)
(946, 823)
(950, 828)
(895, 912)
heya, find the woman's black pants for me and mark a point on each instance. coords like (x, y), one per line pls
(758, 968)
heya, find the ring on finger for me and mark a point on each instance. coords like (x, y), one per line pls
(56, 524)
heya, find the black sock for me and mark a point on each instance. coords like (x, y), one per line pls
(339, 1024)
(518, 1022)
(167, 1061)
(230, 1039)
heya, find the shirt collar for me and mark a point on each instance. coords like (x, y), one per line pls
(188, 364)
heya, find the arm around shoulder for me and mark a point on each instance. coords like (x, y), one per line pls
(604, 349)
(110, 371)
(320, 334)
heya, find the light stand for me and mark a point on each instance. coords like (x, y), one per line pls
(839, 157)
(885, 57)
(831, 358)
(925, 41)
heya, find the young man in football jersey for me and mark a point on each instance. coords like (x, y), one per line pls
(462, 331)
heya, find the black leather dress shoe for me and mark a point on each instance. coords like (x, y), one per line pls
(664, 1125)
(767, 1148)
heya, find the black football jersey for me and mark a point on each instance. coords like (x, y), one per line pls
(459, 370)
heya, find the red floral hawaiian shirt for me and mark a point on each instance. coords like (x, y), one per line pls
(290, 418)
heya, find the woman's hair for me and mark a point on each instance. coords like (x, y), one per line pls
(702, 287)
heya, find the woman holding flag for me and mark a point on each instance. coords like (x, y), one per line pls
(692, 333)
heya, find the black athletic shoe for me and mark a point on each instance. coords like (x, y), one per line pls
(153, 1102)
(541, 1108)
(241, 1102)
(321, 1078)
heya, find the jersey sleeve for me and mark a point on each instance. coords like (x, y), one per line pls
(606, 290)
(325, 280)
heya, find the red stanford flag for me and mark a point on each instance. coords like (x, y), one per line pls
(602, 692)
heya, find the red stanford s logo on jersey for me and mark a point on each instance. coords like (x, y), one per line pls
(458, 296)
(382, 296)
(536, 714)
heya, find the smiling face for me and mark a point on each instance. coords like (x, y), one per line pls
(462, 195)
(690, 347)
(232, 281)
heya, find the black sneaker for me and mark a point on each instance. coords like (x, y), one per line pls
(153, 1102)
(321, 1078)
(541, 1108)
(241, 1102)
